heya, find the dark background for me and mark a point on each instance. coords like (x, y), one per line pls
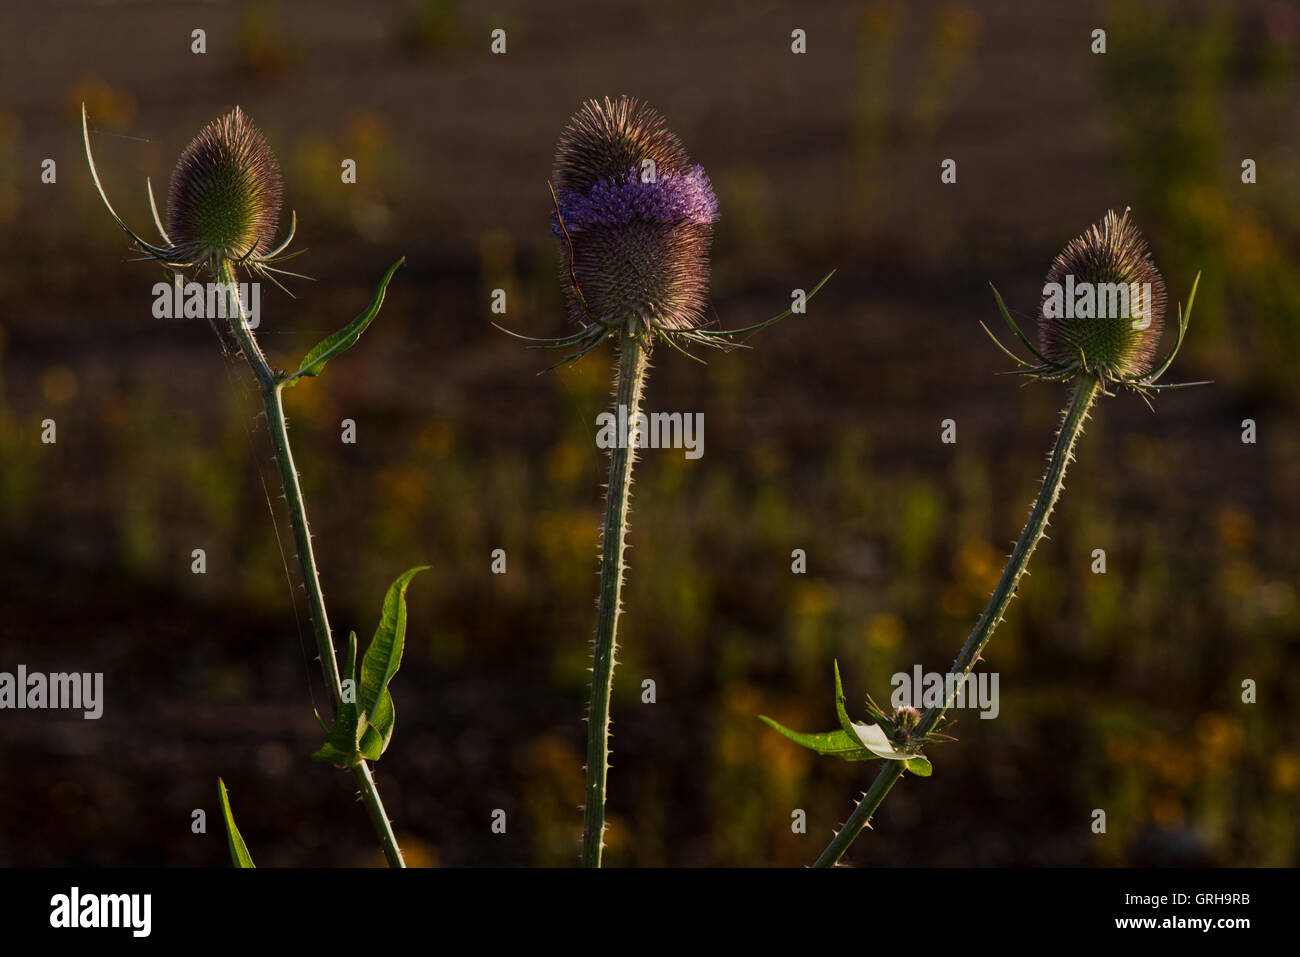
(1118, 691)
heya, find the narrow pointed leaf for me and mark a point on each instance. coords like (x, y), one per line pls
(341, 341)
(153, 208)
(1163, 386)
(1183, 319)
(239, 855)
(562, 342)
(1002, 307)
(149, 248)
(1005, 351)
(716, 333)
(274, 254)
(382, 659)
(352, 657)
(842, 714)
(837, 743)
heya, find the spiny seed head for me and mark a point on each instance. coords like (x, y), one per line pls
(225, 192)
(639, 216)
(1084, 320)
(605, 139)
(903, 724)
(906, 717)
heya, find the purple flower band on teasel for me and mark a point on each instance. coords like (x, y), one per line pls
(673, 199)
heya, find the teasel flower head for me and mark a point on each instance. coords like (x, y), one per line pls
(901, 727)
(225, 192)
(1102, 312)
(1122, 298)
(636, 218)
(894, 737)
(223, 204)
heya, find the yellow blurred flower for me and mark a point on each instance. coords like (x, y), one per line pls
(1252, 245)
(1172, 763)
(813, 598)
(979, 564)
(884, 632)
(568, 539)
(416, 853)
(565, 461)
(1236, 527)
(1219, 739)
(1286, 771)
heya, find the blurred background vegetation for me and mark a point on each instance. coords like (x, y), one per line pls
(1118, 691)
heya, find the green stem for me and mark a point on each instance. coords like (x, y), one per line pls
(378, 816)
(632, 368)
(1076, 414)
(270, 386)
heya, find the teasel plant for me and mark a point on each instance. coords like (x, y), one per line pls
(1098, 355)
(223, 210)
(634, 218)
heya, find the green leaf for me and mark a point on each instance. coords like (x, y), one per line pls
(382, 659)
(379, 729)
(342, 741)
(335, 751)
(919, 766)
(341, 341)
(363, 727)
(842, 714)
(350, 669)
(840, 743)
(1002, 307)
(238, 850)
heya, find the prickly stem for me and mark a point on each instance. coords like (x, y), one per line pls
(1076, 414)
(632, 366)
(270, 388)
